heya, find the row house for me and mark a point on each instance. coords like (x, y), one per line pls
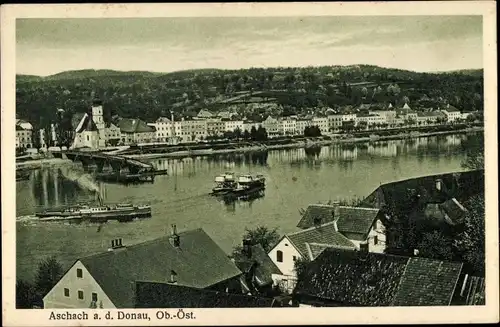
(135, 131)
(430, 118)
(248, 125)
(370, 119)
(322, 123)
(232, 125)
(191, 130)
(164, 129)
(388, 116)
(335, 122)
(302, 123)
(215, 127)
(289, 126)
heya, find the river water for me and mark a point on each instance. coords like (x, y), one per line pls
(295, 178)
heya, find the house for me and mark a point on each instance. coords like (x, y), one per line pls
(430, 117)
(232, 125)
(334, 122)
(24, 136)
(294, 246)
(359, 225)
(106, 280)
(359, 278)
(273, 126)
(164, 129)
(168, 295)
(388, 116)
(24, 124)
(135, 131)
(204, 114)
(86, 133)
(302, 123)
(369, 119)
(289, 126)
(257, 267)
(113, 134)
(452, 113)
(322, 123)
(191, 130)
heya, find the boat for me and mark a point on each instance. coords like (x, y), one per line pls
(100, 212)
(224, 184)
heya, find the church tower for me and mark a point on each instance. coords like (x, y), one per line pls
(98, 118)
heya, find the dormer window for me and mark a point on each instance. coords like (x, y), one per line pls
(79, 273)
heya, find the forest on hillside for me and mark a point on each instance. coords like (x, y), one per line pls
(148, 95)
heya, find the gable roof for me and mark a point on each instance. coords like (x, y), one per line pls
(324, 234)
(128, 125)
(264, 268)
(350, 220)
(373, 279)
(86, 124)
(164, 295)
(198, 262)
(163, 120)
(453, 210)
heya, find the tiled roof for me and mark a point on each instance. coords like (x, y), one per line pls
(164, 295)
(128, 125)
(351, 219)
(198, 262)
(427, 282)
(352, 278)
(87, 124)
(315, 249)
(163, 120)
(324, 234)
(430, 114)
(355, 278)
(265, 267)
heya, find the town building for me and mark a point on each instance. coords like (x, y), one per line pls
(273, 126)
(24, 134)
(106, 280)
(359, 278)
(215, 127)
(135, 131)
(232, 125)
(388, 116)
(406, 114)
(362, 226)
(247, 125)
(322, 123)
(204, 114)
(334, 122)
(167, 295)
(369, 119)
(113, 134)
(452, 113)
(430, 117)
(191, 130)
(98, 118)
(164, 129)
(302, 123)
(289, 126)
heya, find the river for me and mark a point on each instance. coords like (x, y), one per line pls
(295, 178)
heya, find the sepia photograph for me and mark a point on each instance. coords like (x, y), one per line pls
(262, 161)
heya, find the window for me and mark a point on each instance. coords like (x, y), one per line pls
(80, 295)
(279, 256)
(294, 258)
(94, 297)
(66, 292)
(79, 273)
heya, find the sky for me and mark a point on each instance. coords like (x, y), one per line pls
(418, 43)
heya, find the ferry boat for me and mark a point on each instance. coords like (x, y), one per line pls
(224, 183)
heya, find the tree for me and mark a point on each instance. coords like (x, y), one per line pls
(474, 151)
(262, 235)
(300, 265)
(26, 295)
(469, 244)
(436, 245)
(48, 274)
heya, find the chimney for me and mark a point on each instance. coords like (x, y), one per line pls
(173, 277)
(438, 184)
(116, 244)
(174, 238)
(247, 248)
(415, 252)
(364, 247)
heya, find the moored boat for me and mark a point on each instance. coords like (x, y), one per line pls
(224, 183)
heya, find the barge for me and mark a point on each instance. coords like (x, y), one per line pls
(129, 177)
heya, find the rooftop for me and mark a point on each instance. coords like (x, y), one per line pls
(86, 124)
(164, 295)
(264, 266)
(128, 125)
(323, 234)
(198, 262)
(355, 278)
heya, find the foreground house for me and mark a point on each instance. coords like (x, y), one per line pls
(295, 246)
(360, 225)
(134, 131)
(257, 267)
(167, 295)
(358, 278)
(107, 280)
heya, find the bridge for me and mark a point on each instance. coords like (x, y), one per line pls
(101, 160)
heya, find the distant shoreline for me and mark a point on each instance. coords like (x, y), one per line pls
(250, 149)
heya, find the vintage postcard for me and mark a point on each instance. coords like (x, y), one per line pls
(249, 163)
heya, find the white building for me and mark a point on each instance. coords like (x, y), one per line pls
(164, 129)
(232, 125)
(370, 119)
(289, 126)
(452, 113)
(86, 134)
(302, 123)
(388, 116)
(322, 123)
(335, 122)
(24, 134)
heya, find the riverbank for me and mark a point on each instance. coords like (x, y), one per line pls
(41, 163)
(300, 144)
